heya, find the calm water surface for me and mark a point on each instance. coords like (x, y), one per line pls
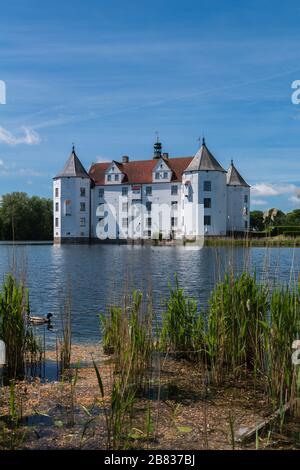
(100, 274)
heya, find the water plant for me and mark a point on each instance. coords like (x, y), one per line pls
(15, 330)
(182, 326)
(237, 323)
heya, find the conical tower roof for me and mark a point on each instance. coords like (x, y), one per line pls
(234, 178)
(204, 160)
(73, 168)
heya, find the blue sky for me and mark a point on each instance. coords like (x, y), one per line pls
(107, 75)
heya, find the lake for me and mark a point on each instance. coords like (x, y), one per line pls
(99, 275)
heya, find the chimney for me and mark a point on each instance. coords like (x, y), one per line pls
(125, 159)
(165, 155)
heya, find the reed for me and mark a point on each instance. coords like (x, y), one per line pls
(127, 334)
(182, 325)
(284, 329)
(237, 321)
(15, 330)
(66, 335)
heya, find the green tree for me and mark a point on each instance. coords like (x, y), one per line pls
(274, 217)
(257, 220)
(293, 218)
(25, 218)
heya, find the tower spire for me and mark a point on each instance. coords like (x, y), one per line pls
(157, 148)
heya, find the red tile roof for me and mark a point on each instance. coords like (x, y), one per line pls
(140, 171)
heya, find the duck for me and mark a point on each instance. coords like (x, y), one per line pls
(41, 320)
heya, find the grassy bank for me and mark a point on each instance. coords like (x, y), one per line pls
(278, 241)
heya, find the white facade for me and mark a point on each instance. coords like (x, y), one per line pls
(162, 198)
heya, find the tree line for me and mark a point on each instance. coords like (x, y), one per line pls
(260, 220)
(25, 218)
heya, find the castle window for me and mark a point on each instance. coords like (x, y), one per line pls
(125, 206)
(56, 192)
(174, 205)
(82, 221)
(174, 221)
(82, 207)
(148, 190)
(246, 198)
(56, 222)
(207, 202)
(101, 192)
(207, 186)
(124, 191)
(148, 206)
(174, 190)
(56, 207)
(82, 192)
(246, 224)
(149, 222)
(67, 207)
(207, 220)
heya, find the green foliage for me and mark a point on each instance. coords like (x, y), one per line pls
(282, 229)
(237, 319)
(127, 334)
(182, 325)
(293, 218)
(257, 220)
(25, 218)
(110, 329)
(14, 328)
(284, 328)
(274, 217)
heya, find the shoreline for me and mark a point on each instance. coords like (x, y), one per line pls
(268, 242)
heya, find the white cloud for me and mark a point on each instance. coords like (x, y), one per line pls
(258, 202)
(295, 200)
(29, 137)
(269, 189)
(1, 162)
(102, 160)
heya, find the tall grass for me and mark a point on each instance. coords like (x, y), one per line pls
(182, 325)
(237, 322)
(284, 329)
(15, 330)
(65, 341)
(127, 334)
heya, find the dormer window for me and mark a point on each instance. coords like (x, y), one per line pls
(165, 174)
(116, 177)
(108, 177)
(157, 175)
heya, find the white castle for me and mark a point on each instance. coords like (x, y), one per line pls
(178, 198)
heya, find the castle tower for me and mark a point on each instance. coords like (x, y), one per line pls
(71, 202)
(238, 201)
(205, 188)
